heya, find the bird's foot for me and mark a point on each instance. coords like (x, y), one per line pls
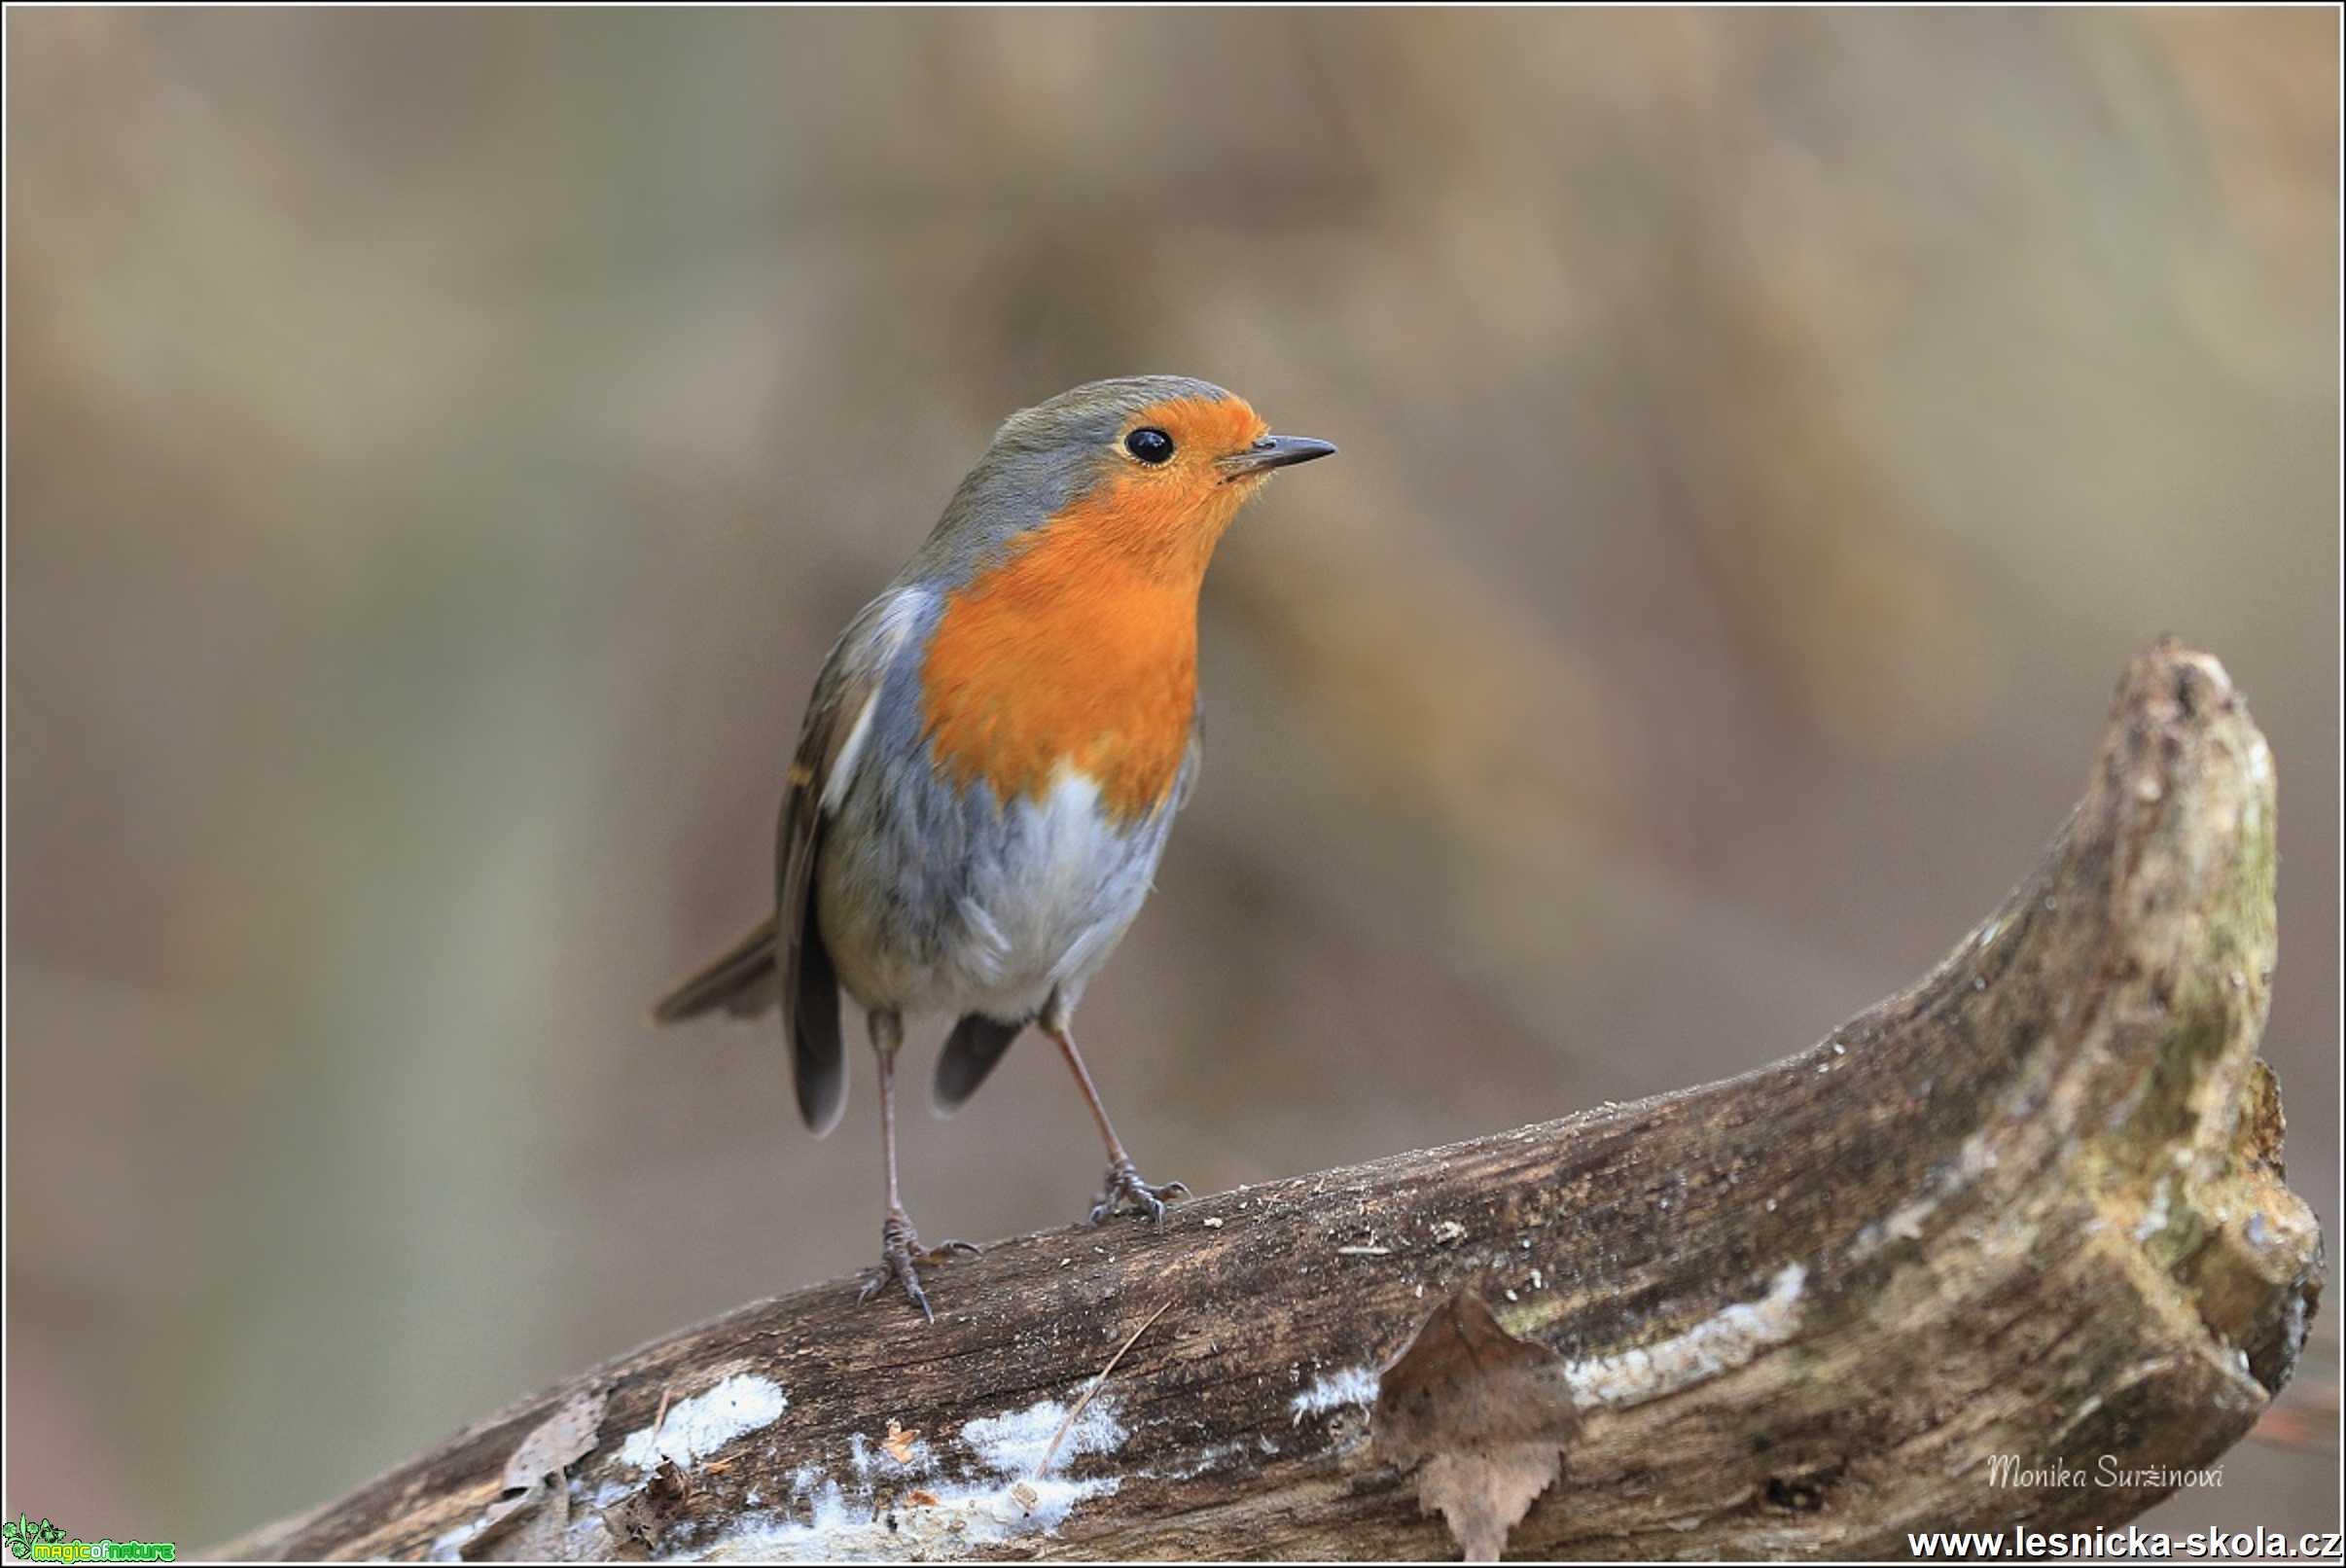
(899, 1251)
(1128, 1194)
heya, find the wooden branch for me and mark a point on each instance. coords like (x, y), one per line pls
(2032, 1207)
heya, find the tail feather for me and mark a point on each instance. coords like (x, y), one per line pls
(742, 981)
(818, 1069)
(976, 1045)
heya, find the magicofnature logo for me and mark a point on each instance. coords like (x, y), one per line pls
(44, 1542)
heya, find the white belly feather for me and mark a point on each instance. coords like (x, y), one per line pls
(1049, 889)
(1048, 910)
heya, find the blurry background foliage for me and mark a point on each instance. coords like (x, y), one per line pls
(445, 445)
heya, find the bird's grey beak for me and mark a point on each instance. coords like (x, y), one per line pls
(1273, 451)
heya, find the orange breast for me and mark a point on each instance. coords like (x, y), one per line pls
(1070, 652)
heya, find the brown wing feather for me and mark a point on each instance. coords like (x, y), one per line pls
(830, 751)
(784, 959)
(810, 986)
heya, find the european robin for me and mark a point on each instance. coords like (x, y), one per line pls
(993, 756)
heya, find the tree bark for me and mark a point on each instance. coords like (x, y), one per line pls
(2032, 1207)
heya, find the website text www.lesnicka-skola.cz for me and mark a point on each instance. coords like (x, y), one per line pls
(2211, 1546)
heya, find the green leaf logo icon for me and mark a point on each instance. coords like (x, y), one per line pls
(21, 1535)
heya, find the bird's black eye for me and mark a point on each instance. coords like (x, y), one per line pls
(1149, 445)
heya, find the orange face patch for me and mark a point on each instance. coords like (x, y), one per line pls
(1205, 428)
(1081, 650)
(1168, 518)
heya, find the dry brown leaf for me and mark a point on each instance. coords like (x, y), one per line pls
(899, 1443)
(1480, 1416)
(530, 1519)
(556, 1442)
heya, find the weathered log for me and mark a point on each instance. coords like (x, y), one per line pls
(2033, 1207)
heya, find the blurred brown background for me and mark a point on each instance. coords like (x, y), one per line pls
(446, 444)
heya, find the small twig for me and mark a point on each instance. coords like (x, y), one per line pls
(1049, 1454)
(659, 1422)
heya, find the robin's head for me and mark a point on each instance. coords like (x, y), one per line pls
(1149, 466)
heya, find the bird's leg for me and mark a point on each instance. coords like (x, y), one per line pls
(1125, 1192)
(900, 1244)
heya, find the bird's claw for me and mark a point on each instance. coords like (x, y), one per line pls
(1128, 1194)
(899, 1251)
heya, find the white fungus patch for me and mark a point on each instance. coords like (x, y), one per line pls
(942, 1518)
(1013, 1443)
(1219, 1456)
(698, 1427)
(1719, 1343)
(1335, 1391)
(962, 1519)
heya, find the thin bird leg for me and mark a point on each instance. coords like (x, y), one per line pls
(1125, 1192)
(900, 1244)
